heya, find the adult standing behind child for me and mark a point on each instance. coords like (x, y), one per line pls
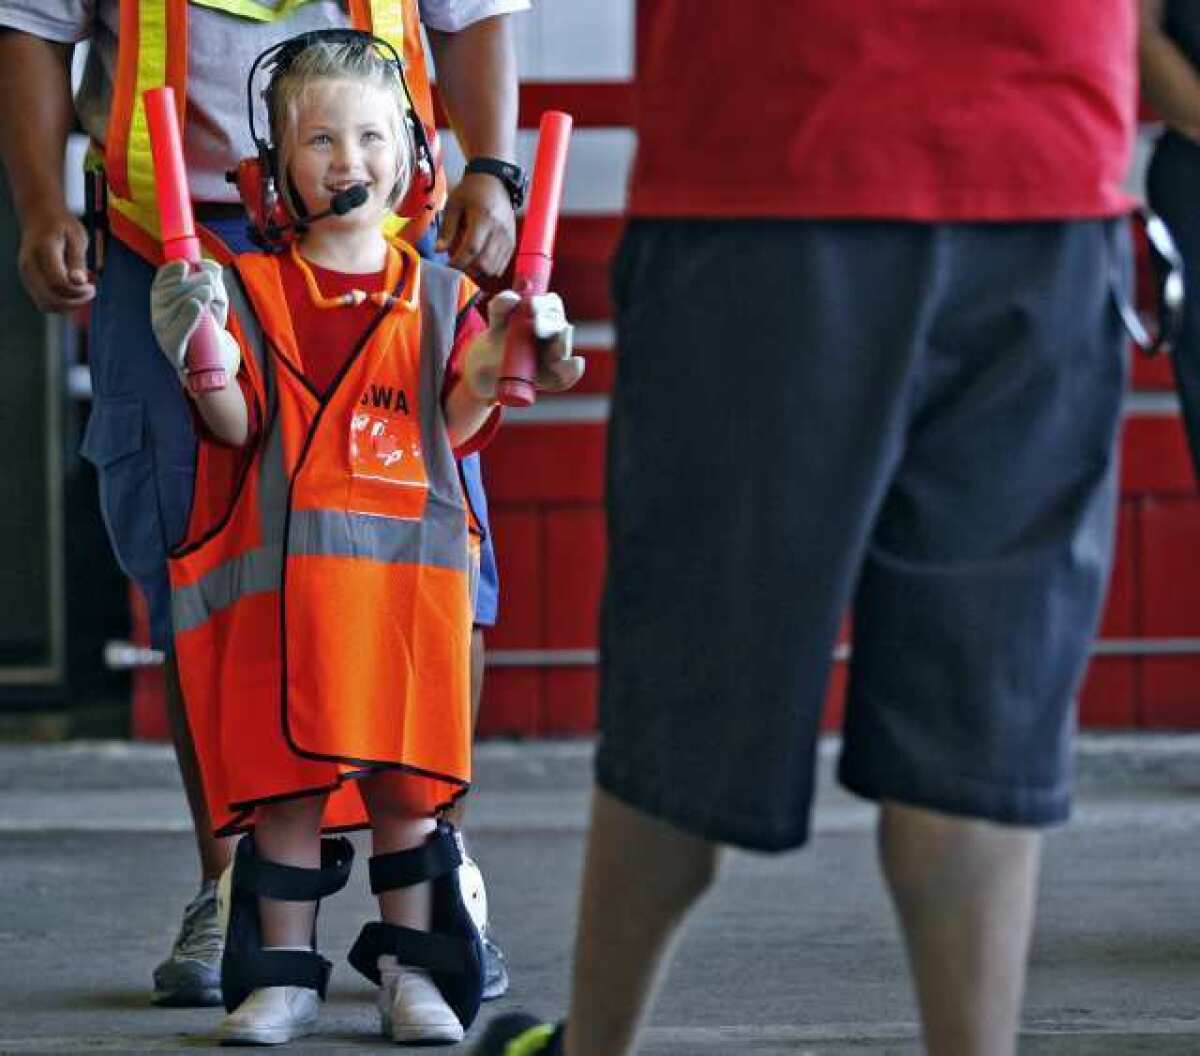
(138, 437)
(322, 594)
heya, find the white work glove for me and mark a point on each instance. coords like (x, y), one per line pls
(557, 370)
(179, 296)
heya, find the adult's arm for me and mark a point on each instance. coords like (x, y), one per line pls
(477, 79)
(36, 113)
(1169, 80)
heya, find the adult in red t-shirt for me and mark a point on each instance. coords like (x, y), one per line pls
(869, 360)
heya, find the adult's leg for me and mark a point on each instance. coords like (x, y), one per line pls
(478, 660)
(456, 815)
(629, 920)
(964, 891)
(214, 851)
(486, 595)
(717, 628)
(140, 439)
(977, 603)
(486, 590)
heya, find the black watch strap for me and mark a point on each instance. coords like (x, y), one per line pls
(512, 176)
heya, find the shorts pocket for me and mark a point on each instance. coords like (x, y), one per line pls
(116, 444)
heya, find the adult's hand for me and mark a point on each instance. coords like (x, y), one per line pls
(52, 261)
(479, 229)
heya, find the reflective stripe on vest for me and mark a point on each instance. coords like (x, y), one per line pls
(317, 533)
(251, 9)
(437, 540)
(153, 50)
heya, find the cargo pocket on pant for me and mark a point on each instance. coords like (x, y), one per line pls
(116, 444)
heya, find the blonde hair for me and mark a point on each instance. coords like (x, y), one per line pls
(341, 61)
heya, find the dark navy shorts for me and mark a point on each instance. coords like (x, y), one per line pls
(914, 422)
(140, 437)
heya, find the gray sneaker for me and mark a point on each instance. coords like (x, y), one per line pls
(191, 976)
(495, 970)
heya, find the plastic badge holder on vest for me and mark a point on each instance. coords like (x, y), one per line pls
(179, 242)
(535, 257)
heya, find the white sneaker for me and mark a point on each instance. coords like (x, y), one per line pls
(412, 1009)
(271, 1016)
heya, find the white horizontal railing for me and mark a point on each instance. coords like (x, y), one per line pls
(1108, 647)
(593, 409)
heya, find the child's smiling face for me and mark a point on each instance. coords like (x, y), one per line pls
(346, 132)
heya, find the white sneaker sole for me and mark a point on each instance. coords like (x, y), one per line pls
(407, 1034)
(236, 1035)
(430, 1033)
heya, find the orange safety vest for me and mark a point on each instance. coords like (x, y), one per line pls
(153, 50)
(321, 598)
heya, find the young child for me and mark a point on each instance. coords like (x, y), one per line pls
(321, 598)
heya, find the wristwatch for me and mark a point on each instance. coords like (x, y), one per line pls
(511, 175)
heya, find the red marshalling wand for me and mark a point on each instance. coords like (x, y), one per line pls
(535, 256)
(179, 241)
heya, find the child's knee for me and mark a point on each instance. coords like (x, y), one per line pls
(301, 812)
(399, 799)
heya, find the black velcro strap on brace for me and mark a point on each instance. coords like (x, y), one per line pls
(283, 968)
(436, 857)
(417, 949)
(291, 883)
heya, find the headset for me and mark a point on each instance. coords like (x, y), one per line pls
(273, 224)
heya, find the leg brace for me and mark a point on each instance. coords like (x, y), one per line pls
(246, 966)
(451, 950)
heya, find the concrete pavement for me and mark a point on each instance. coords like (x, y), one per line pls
(794, 954)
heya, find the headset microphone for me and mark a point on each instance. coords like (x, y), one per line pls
(339, 205)
(342, 202)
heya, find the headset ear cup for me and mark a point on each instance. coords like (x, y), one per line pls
(275, 212)
(252, 189)
(268, 158)
(427, 149)
(256, 186)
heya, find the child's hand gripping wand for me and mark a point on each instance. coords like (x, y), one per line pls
(204, 370)
(531, 274)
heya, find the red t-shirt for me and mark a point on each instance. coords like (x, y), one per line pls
(929, 110)
(327, 336)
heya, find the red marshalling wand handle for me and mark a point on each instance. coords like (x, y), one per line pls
(179, 241)
(535, 256)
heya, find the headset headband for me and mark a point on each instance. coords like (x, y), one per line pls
(273, 220)
(277, 60)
